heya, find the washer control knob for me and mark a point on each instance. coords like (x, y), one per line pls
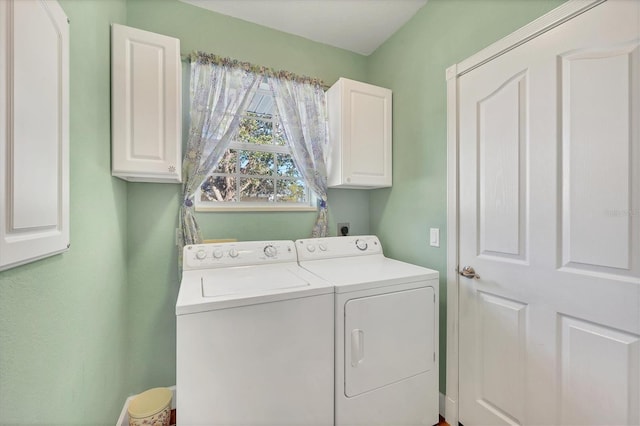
(233, 253)
(311, 248)
(322, 247)
(361, 244)
(270, 251)
(217, 253)
(201, 254)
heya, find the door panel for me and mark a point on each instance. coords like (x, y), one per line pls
(502, 337)
(599, 374)
(597, 145)
(367, 112)
(388, 337)
(35, 149)
(502, 127)
(550, 220)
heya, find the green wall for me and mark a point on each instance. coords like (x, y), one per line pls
(412, 63)
(63, 319)
(152, 208)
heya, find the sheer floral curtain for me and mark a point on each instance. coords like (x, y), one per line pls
(220, 89)
(302, 109)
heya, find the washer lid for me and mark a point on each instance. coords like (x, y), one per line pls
(212, 289)
(247, 280)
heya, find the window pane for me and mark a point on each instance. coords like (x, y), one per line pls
(262, 102)
(286, 167)
(278, 134)
(227, 163)
(291, 191)
(218, 188)
(253, 129)
(256, 190)
(256, 163)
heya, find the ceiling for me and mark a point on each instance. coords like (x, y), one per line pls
(356, 25)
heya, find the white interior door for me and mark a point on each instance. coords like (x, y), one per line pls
(549, 205)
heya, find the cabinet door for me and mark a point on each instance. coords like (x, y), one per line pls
(146, 106)
(367, 145)
(34, 141)
(360, 135)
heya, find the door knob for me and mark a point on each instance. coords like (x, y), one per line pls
(469, 272)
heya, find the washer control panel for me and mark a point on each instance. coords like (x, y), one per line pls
(331, 247)
(218, 255)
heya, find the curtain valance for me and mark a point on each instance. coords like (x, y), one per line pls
(210, 58)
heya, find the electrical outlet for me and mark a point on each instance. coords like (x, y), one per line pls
(342, 227)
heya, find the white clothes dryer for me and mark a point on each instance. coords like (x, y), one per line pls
(386, 332)
(254, 338)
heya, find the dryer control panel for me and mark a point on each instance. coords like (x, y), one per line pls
(332, 247)
(224, 255)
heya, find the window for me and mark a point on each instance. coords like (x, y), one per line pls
(257, 172)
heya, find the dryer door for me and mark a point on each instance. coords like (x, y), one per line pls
(388, 337)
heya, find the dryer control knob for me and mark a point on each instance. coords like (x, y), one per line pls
(311, 248)
(201, 254)
(322, 247)
(270, 251)
(361, 244)
(233, 253)
(217, 253)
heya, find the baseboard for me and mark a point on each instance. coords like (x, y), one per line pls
(123, 420)
(451, 411)
(442, 404)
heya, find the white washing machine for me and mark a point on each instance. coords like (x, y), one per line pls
(254, 338)
(386, 332)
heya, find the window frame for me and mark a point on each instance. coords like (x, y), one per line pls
(250, 206)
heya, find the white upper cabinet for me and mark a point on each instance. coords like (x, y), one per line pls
(146, 113)
(34, 131)
(359, 135)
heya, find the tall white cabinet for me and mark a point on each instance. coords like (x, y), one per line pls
(34, 131)
(146, 116)
(359, 117)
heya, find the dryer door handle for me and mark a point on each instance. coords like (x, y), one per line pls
(357, 347)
